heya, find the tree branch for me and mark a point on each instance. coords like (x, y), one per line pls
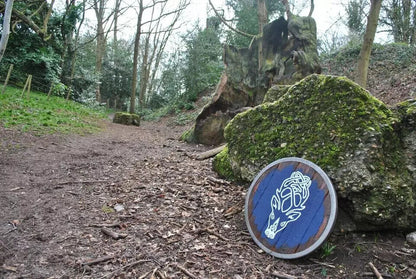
(23, 18)
(228, 25)
(312, 8)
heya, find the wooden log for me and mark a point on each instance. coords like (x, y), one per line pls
(210, 153)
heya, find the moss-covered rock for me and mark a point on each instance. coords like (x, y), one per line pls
(188, 135)
(126, 118)
(338, 125)
(275, 92)
(222, 166)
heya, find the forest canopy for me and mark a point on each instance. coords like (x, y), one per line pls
(79, 48)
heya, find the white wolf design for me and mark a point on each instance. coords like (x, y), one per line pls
(288, 203)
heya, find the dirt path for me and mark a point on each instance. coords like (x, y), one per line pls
(171, 215)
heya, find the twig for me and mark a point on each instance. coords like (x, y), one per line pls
(9, 268)
(153, 273)
(98, 260)
(218, 181)
(114, 235)
(371, 274)
(112, 225)
(212, 233)
(73, 193)
(82, 181)
(321, 263)
(145, 275)
(375, 271)
(2, 244)
(283, 275)
(126, 267)
(185, 271)
(161, 275)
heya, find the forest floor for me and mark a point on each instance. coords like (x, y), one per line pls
(132, 202)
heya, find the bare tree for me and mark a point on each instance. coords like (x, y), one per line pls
(6, 27)
(400, 17)
(73, 47)
(99, 8)
(136, 56)
(370, 31)
(153, 28)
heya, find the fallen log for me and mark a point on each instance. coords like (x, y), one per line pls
(210, 153)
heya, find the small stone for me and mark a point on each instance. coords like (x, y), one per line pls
(411, 238)
(283, 145)
(118, 207)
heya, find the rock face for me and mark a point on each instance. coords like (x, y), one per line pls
(367, 149)
(126, 118)
(289, 54)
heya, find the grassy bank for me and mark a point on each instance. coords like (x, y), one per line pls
(42, 115)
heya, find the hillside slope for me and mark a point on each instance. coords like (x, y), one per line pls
(392, 70)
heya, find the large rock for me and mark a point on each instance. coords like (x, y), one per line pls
(126, 118)
(367, 149)
(289, 54)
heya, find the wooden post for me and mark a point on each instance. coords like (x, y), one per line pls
(7, 78)
(24, 87)
(69, 93)
(50, 90)
(28, 87)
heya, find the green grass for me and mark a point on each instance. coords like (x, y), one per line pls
(41, 115)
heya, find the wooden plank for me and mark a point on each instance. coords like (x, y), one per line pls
(291, 208)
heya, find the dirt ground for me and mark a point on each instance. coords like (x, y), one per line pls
(132, 202)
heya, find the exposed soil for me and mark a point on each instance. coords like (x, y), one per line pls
(172, 217)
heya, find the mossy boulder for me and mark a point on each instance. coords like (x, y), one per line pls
(366, 148)
(126, 118)
(221, 165)
(275, 92)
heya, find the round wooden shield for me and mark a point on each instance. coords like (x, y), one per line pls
(291, 207)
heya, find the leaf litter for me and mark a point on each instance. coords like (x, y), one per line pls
(131, 202)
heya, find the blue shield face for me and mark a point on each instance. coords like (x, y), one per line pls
(288, 203)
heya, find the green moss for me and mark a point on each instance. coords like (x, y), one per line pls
(407, 111)
(318, 118)
(222, 166)
(275, 92)
(126, 118)
(188, 135)
(366, 148)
